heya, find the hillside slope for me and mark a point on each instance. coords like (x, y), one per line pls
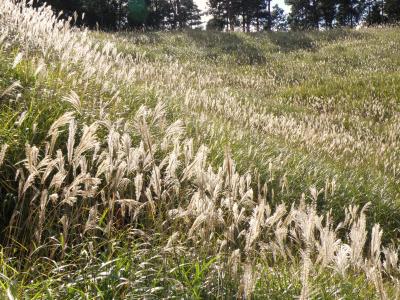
(197, 164)
(314, 108)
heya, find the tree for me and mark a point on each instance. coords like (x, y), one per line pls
(224, 10)
(138, 11)
(119, 14)
(392, 10)
(185, 13)
(159, 14)
(227, 14)
(278, 19)
(191, 14)
(327, 10)
(375, 12)
(350, 12)
(313, 15)
(248, 14)
(304, 14)
(66, 7)
(262, 15)
(268, 24)
(245, 9)
(100, 12)
(215, 24)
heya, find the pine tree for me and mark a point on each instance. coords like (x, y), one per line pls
(375, 13)
(158, 14)
(224, 10)
(392, 10)
(278, 19)
(246, 10)
(350, 12)
(262, 17)
(185, 13)
(327, 10)
(304, 14)
(215, 24)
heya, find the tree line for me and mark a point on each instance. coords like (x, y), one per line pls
(314, 14)
(127, 14)
(305, 14)
(245, 15)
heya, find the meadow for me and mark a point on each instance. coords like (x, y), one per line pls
(197, 164)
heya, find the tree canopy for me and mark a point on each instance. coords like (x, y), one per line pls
(122, 14)
(245, 15)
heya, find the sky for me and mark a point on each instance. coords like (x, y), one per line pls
(203, 6)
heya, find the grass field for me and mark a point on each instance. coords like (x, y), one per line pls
(197, 164)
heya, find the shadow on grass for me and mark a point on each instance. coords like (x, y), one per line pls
(252, 48)
(235, 47)
(290, 41)
(139, 37)
(215, 44)
(306, 40)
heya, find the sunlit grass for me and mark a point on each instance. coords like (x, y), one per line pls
(197, 164)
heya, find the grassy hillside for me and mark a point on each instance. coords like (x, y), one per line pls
(312, 109)
(197, 164)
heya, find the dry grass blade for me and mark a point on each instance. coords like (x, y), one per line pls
(3, 151)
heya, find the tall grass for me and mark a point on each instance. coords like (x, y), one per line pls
(128, 173)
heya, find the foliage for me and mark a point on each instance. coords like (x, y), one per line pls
(278, 19)
(123, 14)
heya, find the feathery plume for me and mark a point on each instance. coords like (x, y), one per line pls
(73, 99)
(71, 140)
(17, 60)
(8, 91)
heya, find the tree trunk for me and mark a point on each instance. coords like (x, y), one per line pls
(178, 10)
(351, 13)
(174, 21)
(230, 16)
(269, 21)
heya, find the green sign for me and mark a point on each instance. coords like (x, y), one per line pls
(138, 11)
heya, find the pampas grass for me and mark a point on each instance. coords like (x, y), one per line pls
(116, 199)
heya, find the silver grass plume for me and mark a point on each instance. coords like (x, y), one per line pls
(71, 140)
(17, 60)
(305, 275)
(74, 100)
(342, 259)
(8, 91)
(375, 248)
(42, 213)
(358, 237)
(60, 122)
